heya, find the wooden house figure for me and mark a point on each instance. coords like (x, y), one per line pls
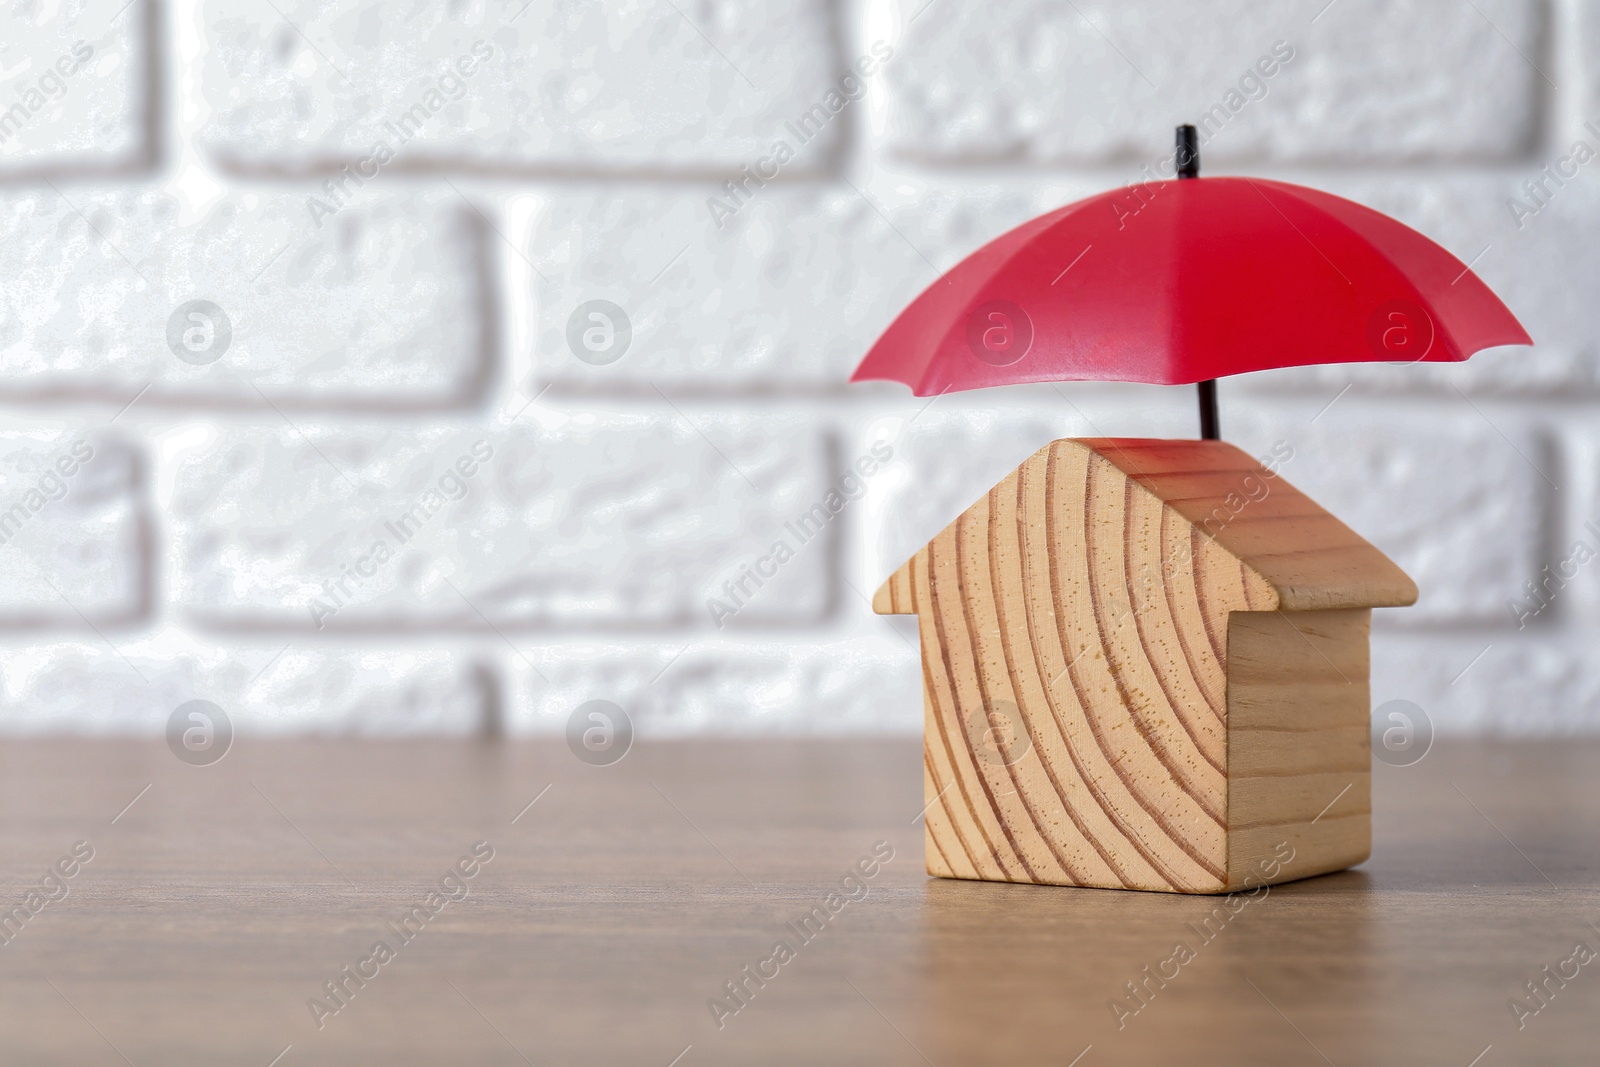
(1145, 666)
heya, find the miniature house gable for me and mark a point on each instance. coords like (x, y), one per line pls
(1145, 666)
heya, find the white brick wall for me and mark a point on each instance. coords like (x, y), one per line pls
(1372, 80)
(83, 74)
(383, 304)
(404, 212)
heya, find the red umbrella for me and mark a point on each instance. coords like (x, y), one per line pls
(1173, 282)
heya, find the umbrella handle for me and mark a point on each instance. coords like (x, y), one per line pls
(1187, 141)
(1209, 428)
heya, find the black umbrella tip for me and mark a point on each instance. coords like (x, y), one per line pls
(1187, 141)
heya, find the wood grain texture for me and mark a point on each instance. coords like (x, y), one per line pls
(617, 904)
(1299, 741)
(1076, 632)
(1309, 558)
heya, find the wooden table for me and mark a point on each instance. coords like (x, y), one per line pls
(225, 897)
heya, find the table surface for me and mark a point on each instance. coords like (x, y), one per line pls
(221, 902)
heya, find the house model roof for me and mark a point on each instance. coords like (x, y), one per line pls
(1293, 555)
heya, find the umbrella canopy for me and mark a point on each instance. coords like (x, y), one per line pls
(1183, 281)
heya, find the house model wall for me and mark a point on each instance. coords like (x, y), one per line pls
(1145, 666)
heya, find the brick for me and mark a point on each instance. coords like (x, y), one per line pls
(790, 289)
(564, 87)
(1027, 81)
(74, 529)
(263, 687)
(1524, 685)
(77, 79)
(384, 304)
(592, 519)
(1461, 508)
(866, 684)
